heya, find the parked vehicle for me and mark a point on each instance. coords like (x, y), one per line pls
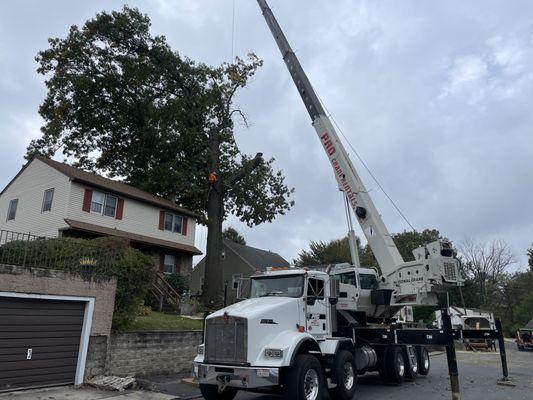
(524, 339)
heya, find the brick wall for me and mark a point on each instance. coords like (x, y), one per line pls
(46, 281)
(152, 353)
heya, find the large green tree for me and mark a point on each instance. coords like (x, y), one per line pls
(120, 101)
(530, 261)
(233, 235)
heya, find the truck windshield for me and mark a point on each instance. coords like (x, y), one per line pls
(285, 286)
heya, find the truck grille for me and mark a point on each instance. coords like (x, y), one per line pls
(450, 272)
(226, 340)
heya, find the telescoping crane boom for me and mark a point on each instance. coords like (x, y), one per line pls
(411, 282)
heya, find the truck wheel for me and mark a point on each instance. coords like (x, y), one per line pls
(424, 363)
(345, 373)
(210, 392)
(395, 365)
(305, 380)
(411, 372)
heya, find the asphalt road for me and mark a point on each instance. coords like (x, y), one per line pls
(478, 374)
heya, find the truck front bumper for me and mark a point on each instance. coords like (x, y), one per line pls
(237, 377)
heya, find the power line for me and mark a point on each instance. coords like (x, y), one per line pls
(233, 33)
(366, 167)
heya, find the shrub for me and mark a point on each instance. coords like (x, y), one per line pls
(179, 282)
(97, 259)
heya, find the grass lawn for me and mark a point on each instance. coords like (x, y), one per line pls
(157, 321)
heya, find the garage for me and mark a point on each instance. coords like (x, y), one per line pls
(42, 341)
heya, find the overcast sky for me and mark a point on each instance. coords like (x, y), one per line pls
(435, 96)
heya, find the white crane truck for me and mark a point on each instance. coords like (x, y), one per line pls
(304, 331)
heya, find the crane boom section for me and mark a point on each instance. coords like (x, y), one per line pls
(349, 182)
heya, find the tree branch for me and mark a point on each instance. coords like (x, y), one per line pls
(246, 169)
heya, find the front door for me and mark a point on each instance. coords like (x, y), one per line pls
(317, 324)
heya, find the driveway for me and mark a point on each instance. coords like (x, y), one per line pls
(72, 393)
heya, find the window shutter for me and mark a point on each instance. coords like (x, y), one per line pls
(120, 209)
(161, 262)
(87, 197)
(184, 225)
(161, 220)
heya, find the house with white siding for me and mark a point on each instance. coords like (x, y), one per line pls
(49, 198)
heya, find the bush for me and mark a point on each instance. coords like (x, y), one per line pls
(97, 259)
(180, 283)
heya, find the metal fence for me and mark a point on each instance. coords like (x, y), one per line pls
(79, 256)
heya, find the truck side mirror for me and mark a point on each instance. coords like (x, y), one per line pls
(333, 300)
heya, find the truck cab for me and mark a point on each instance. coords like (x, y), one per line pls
(254, 344)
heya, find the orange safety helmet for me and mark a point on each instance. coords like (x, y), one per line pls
(213, 178)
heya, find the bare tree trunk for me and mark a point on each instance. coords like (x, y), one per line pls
(212, 291)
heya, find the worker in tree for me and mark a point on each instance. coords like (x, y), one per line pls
(213, 179)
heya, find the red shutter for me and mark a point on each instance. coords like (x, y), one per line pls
(161, 220)
(161, 262)
(184, 226)
(120, 209)
(87, 197)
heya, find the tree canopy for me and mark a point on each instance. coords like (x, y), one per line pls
(122, 102)
(232, 234)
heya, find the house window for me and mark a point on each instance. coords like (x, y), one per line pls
(236, 281)
(12, 210)
(104, 204)
(47, 200)
(169, 264)
(174, 223)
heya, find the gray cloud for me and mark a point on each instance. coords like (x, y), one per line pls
(434, 95)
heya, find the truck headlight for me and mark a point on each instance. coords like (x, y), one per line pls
(274, 353)
(200, 350)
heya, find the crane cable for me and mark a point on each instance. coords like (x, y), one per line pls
(233, 34)
(365, 166)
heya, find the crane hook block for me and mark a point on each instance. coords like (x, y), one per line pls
(360, 212)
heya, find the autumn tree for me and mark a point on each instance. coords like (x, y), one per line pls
(486, 263)
(233, 235)
(121, 102)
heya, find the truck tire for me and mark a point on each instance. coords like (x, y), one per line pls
(305, 380)
(345, 373)
(411, 372)
(424, 363)
(210, 392)
(395, 365)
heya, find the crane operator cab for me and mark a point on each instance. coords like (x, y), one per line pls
(355, 287)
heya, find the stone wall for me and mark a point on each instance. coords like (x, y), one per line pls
(96, 356)
(152, 353)
(50, 282)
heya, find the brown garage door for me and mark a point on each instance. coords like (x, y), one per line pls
(39, 342)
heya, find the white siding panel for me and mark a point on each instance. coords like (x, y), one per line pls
(29, 188)
(138, 217)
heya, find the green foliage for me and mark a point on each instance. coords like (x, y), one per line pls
(321, 253)
(232, 234)
(338, 250)
(179, 282)
(530, 260)
(120, 101)
(406, 241)
(97, 259)
(157, 321)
